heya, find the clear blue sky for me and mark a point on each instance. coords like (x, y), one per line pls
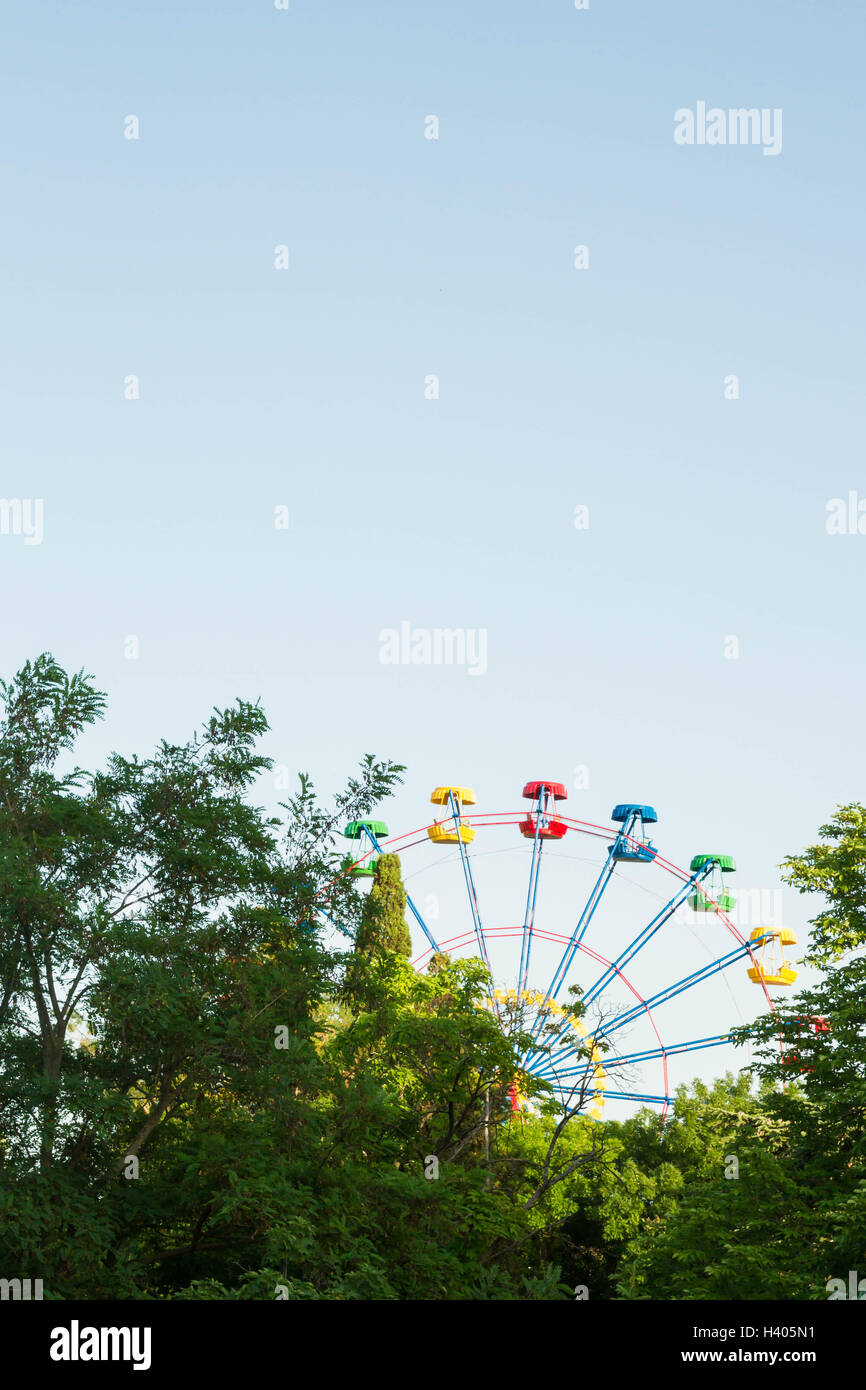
(558, 387)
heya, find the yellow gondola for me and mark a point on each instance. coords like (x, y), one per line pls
(772, 968)
(445, 832)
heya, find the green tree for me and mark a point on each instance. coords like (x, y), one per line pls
(383, 919)
(795, 1214)
(155, 931)
(185, 1108)
(382, 931)
(836, 868)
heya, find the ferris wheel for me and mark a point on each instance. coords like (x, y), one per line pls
(560, 910)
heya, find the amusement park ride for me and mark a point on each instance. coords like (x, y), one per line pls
(578, 1062)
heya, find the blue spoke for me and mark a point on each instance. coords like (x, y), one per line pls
(664, 995)
(470, 887)
(583, 922)
(687, 982)
(628, 1095)
(641, 940)
(568, 954)
(531, 896)
(334, 923)
(621, 1095)
(644, 936)
(586, 916)
(654, 1053)
(650, 1055)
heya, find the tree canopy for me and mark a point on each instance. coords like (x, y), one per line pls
(200, 1098)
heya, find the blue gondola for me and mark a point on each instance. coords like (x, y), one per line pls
(634, 846)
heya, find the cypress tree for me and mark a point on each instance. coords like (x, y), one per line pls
(383, 920)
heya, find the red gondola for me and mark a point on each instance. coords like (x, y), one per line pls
(543, 818)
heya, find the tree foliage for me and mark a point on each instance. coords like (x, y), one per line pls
(200, 1099)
